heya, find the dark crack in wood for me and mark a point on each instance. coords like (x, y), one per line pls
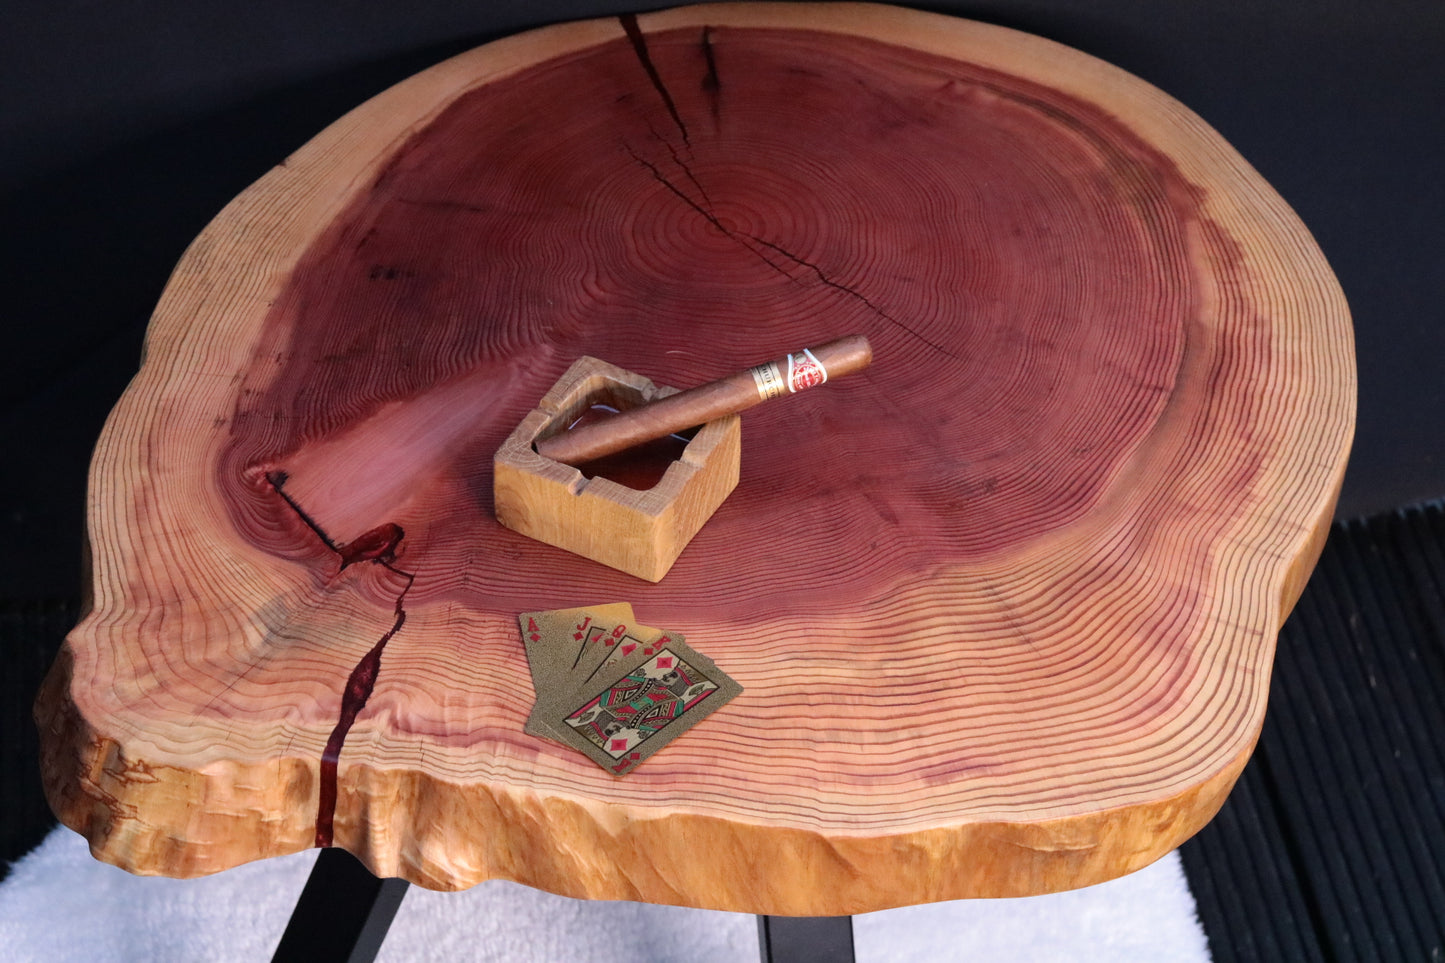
(851, 292)
(639, 46)
(277, 480)
(711, 82)
(686, 169)
(707, 214)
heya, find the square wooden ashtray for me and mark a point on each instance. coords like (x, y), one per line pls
(638, 532)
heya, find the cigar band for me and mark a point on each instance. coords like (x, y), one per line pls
(769, 380)
(805, 371)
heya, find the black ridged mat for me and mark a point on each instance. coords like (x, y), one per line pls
(1331, 847)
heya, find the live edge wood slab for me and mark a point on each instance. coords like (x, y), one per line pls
(1004, 604)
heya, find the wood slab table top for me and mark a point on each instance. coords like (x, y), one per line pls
(1004, 604)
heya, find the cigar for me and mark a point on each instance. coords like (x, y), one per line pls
(787, 375)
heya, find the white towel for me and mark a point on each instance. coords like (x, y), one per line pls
(60, 905)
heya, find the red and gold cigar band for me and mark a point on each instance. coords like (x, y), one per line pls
(804, 371)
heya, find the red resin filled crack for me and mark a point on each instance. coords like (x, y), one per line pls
(378, 545)
(353, 699)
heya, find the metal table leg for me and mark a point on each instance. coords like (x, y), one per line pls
(344, 912)
(806, 939)
(342, 915)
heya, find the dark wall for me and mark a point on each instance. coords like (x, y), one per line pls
(125, 127)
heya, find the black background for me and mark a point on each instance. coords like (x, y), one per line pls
(126, 127)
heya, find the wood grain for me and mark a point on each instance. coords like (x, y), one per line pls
(1004, 604)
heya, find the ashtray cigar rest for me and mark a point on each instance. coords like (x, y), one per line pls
(638, 532)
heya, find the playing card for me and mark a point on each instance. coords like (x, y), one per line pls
(600, 640)
(642, 703)
(608, 645)
(638, 641)
(554, 640)
(571, 645)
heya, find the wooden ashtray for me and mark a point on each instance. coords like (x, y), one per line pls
(638, 532)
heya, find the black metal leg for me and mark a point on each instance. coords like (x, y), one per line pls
(343, 913)
(806, 939)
